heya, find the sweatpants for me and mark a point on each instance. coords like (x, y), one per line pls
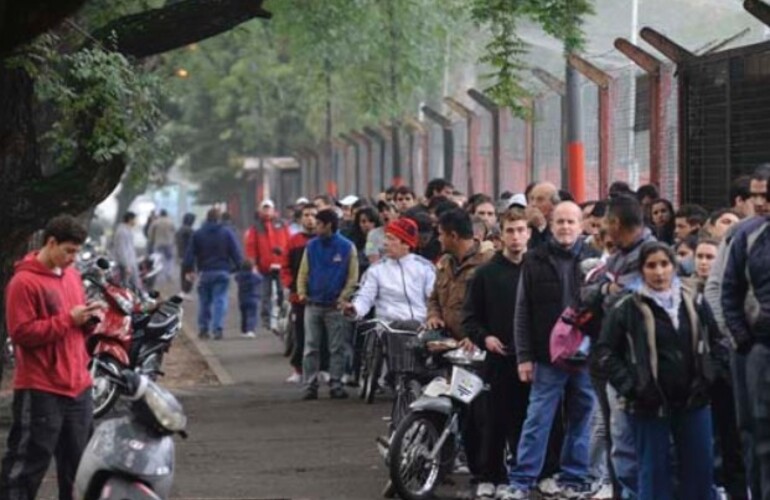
(45, 426)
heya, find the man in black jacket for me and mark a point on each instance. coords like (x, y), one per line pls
(549, 283)
(488, 320)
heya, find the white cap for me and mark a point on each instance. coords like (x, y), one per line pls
(302, 201)
(348, 200)
(267, 203)
(517, 200)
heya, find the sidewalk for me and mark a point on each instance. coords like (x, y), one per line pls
(252, 437)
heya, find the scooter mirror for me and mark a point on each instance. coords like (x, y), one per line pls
(103, 263)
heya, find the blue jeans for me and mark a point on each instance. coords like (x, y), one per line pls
(550, 385)
(692, 435)
(249, 316)
(623, 452)
(212, 297)
(317, 321)
(754, 413)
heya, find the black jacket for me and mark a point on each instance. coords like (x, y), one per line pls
(490, 302)
(545, 291)
(653, 366)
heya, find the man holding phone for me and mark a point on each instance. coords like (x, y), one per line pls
(46, 315)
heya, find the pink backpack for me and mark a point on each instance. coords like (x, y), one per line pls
(566, 338)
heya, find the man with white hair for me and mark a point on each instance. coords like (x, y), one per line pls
(542, 199)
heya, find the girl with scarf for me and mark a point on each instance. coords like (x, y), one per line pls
(657, 357)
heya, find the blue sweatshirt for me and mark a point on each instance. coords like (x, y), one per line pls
(213, 247)
(249, 287)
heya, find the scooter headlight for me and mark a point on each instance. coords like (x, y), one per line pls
(168, 412)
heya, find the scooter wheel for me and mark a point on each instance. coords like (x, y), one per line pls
(104, 389)
(413, 474)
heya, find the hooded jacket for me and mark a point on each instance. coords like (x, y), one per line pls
(213, 247)
(50, 349)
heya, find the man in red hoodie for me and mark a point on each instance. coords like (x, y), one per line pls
(46, 311)
(289, 273)
(264, 243)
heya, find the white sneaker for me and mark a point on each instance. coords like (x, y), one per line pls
(324, 377)
(511, 493)
(502, 489)
(549, 487)
(249, 335)
(604, 492)
(294, 378)
(485, 491)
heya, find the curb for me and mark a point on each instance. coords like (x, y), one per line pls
(209, 358)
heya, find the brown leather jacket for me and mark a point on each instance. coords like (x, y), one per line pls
(452, 278)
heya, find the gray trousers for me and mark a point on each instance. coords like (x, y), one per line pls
(317, 321)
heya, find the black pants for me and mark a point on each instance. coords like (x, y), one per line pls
(298, 311)
(732, 473)
(44, 426)
(506, 404)
(187, 285)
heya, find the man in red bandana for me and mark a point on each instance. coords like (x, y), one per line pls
(399, 285)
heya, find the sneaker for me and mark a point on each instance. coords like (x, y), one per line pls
(204, 335)
(511, 493)
(576, 491)
(294, 378)
(324, 377)
(309, 395)
(549, 488)
(501, 490)
(485, 491)
(338, 393)
(461, 465)
(218, 335)
(604, 492)
(348, 380)
(249, 335)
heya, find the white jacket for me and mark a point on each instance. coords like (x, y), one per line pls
(398, 289)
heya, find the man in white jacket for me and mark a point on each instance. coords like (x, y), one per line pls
(399, 285)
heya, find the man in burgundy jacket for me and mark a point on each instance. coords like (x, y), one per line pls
(289, 272)
(46, 311)
(265, 243)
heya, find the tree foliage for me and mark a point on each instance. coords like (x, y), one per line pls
(562, 19)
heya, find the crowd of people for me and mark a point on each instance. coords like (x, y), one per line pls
(666, 395)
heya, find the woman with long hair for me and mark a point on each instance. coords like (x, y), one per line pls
(366, 220)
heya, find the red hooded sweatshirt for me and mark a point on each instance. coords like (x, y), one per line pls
(50, 349)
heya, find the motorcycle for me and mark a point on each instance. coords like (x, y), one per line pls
(132, 457)
(426, 442)
(130, 333)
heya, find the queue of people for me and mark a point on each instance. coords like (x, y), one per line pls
(663, 398)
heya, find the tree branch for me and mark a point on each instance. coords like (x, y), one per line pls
(159, 30)
(20, 22)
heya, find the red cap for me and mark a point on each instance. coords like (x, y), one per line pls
(404, 229)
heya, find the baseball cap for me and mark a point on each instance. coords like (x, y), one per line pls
(302, 201)
(517, 200)
(348, 200)
(267, 203)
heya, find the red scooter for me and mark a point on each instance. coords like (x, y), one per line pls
(129, 333)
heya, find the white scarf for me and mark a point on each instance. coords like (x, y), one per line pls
(668, 300)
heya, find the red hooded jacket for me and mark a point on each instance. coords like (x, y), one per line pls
(265, 242)
(50, 349)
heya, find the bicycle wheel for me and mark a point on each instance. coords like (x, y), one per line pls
(375, 368)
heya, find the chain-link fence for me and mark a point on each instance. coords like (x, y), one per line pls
(529, 150)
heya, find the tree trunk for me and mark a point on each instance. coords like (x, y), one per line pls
(20, 22)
